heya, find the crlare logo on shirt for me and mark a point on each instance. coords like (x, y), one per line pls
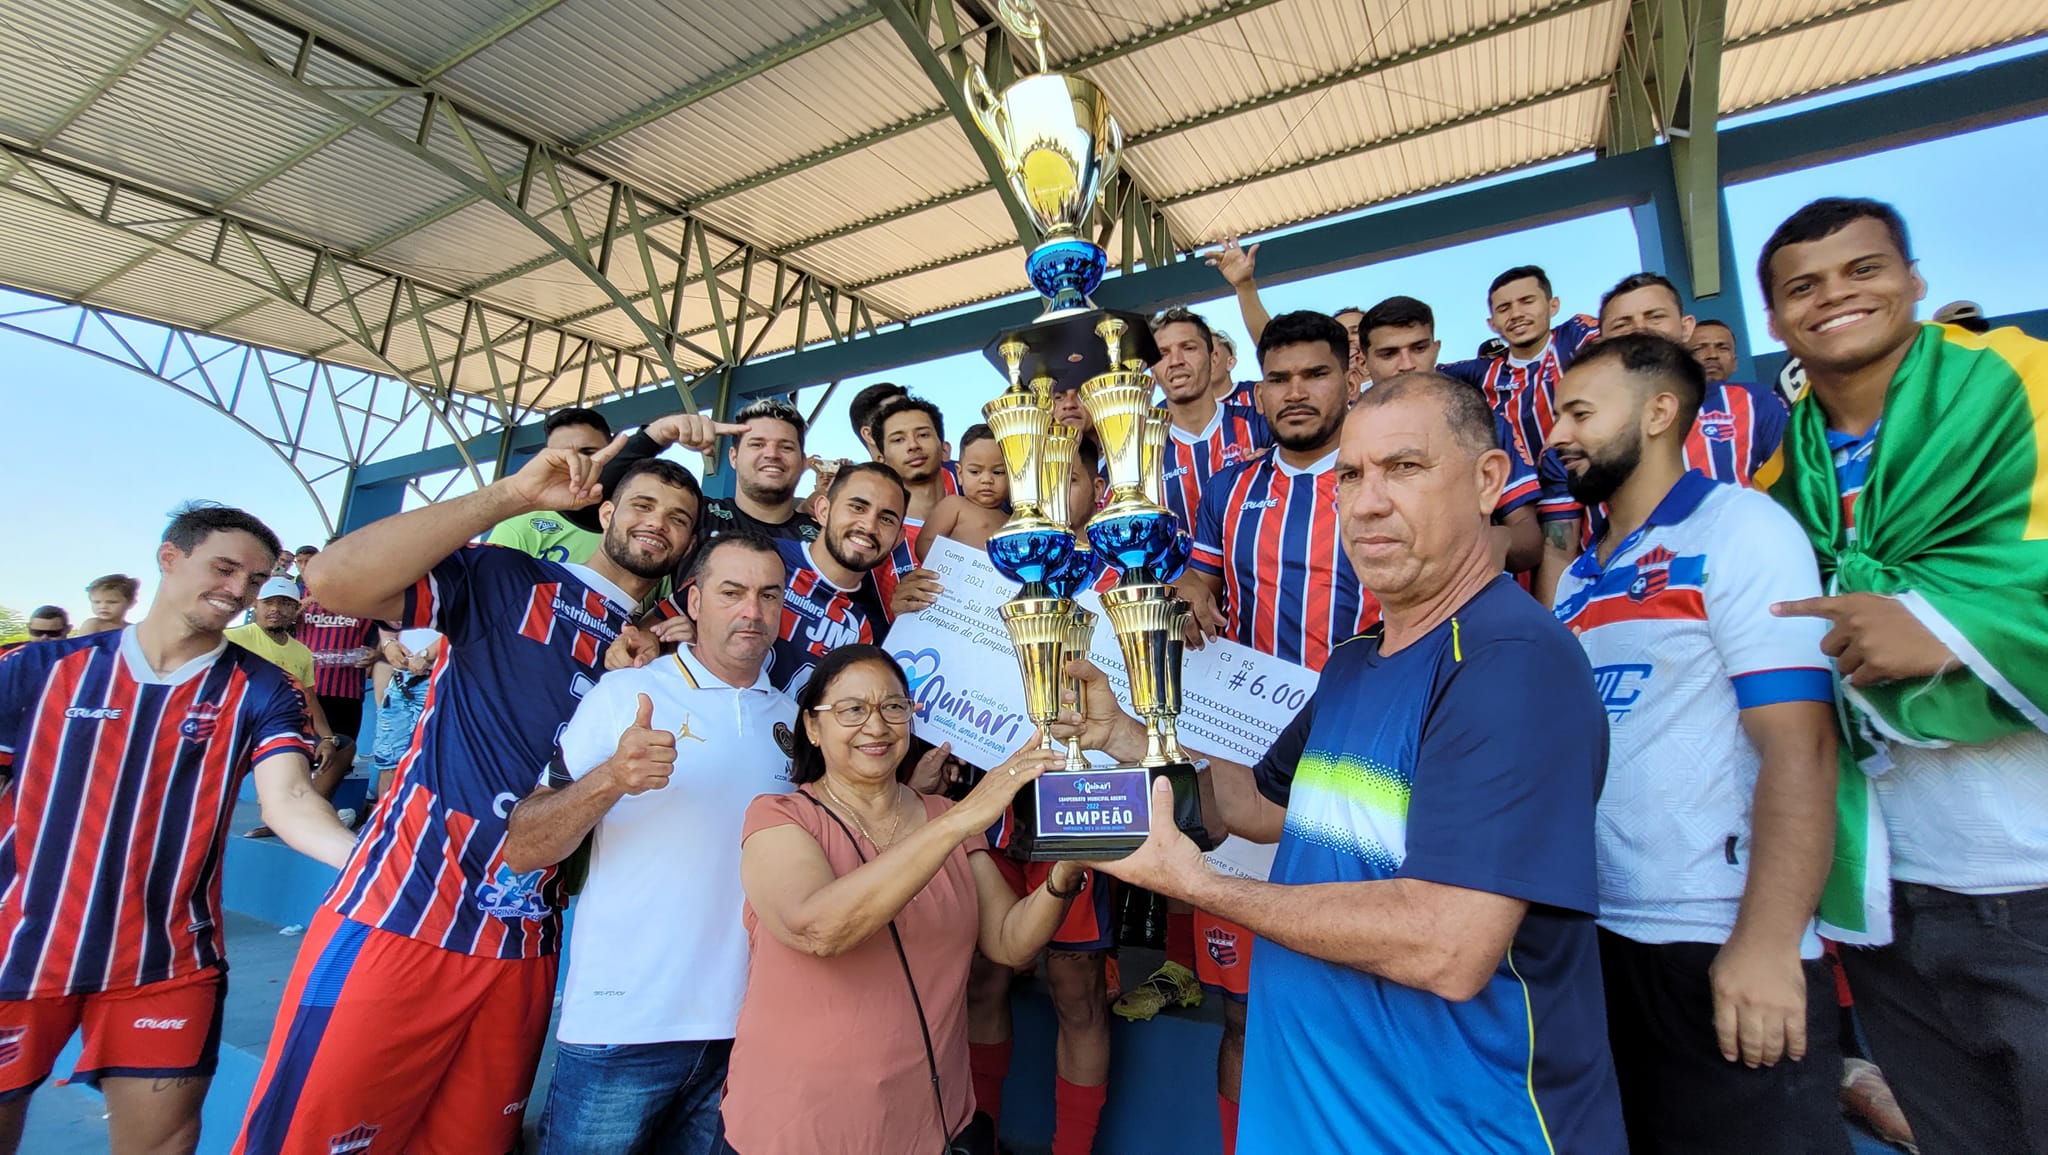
(96, 714)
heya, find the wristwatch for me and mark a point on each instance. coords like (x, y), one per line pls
(1066, 894)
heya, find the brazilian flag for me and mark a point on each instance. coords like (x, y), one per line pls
(1953, 520)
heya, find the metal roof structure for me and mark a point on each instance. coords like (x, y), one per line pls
(511, 205)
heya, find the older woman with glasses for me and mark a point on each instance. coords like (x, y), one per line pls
(864, 904)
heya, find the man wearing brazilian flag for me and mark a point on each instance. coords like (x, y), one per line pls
(1917, 463)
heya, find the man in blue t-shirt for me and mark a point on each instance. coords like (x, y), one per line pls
(1426, 976)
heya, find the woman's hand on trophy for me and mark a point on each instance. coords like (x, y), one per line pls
(1105, 726)
(991, 796)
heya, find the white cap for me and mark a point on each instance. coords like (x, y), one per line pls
(282, 587)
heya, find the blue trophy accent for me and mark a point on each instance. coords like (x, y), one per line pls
(1175, 563)
(1030, 556)
(1067, 271)
(1074, 574)
(1137, 540)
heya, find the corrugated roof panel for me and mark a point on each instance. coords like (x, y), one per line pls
(281, 326)
(555, 290)
(910, 168)
(1074, 30)
(861, 82)
(585, 65)
(47, 250)
(431, 33)
(1496, 71)
(55, 54)
(464, 247)
(333, 196)
(177, 290)
(960, 227)
(1557, 128)
(1747, 18)
(188, 120)
(976, 280)
(1862, 47)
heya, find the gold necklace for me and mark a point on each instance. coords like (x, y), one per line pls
(861, 826)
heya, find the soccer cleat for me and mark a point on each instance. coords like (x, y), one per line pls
(1172, 983)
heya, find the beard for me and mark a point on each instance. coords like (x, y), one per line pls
(1606, 470)
(833, 546)
(618, 546)
(1321, 437)
(766, 495)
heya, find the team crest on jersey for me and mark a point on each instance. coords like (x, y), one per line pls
(200, 721)
(10, 1044)
(1716, 425)
(1653, 574)
(509, 895)
(1222, 946)
(356, 1138)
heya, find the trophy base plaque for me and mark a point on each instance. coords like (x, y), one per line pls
(1100, 815)
(1067, 349)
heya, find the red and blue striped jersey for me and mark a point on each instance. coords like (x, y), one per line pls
(1235, 433)
(114, 816)
(1245, 396)
(818, 617)
(339, 642)
(1525, 393)
(1270, 532)
(1738, 428)
(1852, 470)
(526, 640)
(1523, 484)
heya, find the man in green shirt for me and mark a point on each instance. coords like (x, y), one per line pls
(269, 636)
(553, 535)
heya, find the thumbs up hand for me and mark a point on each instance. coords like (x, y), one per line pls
(645, 756)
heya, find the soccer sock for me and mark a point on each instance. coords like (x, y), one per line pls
(988, 1064)
(1076, 1112)
(1180, 939)
(1227, 1111)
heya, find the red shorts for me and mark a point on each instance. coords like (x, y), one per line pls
(1090, 923)
(164, 1030)
(388, 1042)
(1223, 955)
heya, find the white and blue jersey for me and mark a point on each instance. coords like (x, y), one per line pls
(1677, 624)
(1419, 764)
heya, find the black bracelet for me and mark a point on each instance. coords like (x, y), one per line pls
(1065, 895)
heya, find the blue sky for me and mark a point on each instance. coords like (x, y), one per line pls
(98, 456)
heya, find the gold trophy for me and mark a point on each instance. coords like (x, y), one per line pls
(1059, 146)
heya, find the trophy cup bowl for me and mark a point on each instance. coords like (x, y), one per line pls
(1030, 546)
(1059, 148)
(1134, 532)
(1038, 628)
(1075, 574)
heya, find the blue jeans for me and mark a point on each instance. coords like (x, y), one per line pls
(629, 1098)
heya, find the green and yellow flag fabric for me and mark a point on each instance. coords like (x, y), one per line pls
(1953, 521)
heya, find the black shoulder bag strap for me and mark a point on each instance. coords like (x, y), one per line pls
(923, 1028)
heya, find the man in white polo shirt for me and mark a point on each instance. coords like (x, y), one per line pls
(657, 768)
(1716, 825)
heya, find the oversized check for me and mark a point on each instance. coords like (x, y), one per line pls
(963, 673)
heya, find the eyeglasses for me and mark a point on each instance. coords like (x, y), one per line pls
(853, 712)
(36, 633)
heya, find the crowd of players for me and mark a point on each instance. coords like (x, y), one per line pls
(1624, 462)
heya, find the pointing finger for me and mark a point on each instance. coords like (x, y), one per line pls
(1828, 608)
(608, 452)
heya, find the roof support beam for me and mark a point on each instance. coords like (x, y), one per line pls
(1669, 83)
